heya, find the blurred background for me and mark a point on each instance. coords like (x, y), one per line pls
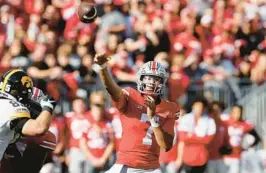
(211, 48)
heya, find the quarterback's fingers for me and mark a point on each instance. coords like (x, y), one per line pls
(147, 100)
(151, 99)
(147, 103)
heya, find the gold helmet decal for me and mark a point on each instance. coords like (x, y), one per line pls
(27, 82)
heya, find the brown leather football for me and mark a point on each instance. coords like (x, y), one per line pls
(87, 12)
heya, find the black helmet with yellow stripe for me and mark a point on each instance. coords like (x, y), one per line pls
(18, 84)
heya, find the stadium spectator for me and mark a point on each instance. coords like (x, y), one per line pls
(111, 22)
(55, 161)
(123, 73)
(178, 80)
(220, 143)
(115, 117)
(196, 130)
(77, 123)
(98, 142)
(238, 129)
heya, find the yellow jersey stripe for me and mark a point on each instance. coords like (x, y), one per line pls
(7, 77)
(20, 115)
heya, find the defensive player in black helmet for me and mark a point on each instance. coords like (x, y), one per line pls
(16, 89)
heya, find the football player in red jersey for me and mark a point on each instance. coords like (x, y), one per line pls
(147, 120)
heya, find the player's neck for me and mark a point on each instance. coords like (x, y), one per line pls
(158, 100)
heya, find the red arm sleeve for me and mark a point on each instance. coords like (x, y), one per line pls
(121, 105)
(198, 140)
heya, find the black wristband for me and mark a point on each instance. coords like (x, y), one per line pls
(46, 108)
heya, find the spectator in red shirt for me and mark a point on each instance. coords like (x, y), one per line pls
(178, 81)
(220, 141)
(238, 129)
(55, 159)
(196, 130)
(121, 70)
(98, 142)
(76, 124)
(115, 118)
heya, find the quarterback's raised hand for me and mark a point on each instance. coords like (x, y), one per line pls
(151, 106)
(48, 103)
(101, 59)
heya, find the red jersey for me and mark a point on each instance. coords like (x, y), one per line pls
(98, 136)
(170, 156)
(77, 125)
(138, 147)
(196, 134)
(236, 132)
(220, 139)
(115, 119)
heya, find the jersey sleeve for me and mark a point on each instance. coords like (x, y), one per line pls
(194, 139)
(17, 124)
(122, 103)
(176, 111)
(20, 112)
(18, 117)
(248, 126)
(169, 126)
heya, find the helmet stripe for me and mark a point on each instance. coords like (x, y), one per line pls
(153, 66)
(7, 77)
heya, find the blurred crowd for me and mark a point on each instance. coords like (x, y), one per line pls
(203, 44)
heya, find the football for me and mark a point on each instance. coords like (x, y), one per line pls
(87, 12)
(47, 141)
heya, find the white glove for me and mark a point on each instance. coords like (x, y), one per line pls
(48, 103)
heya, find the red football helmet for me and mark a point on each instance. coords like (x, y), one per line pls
(152, 68)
